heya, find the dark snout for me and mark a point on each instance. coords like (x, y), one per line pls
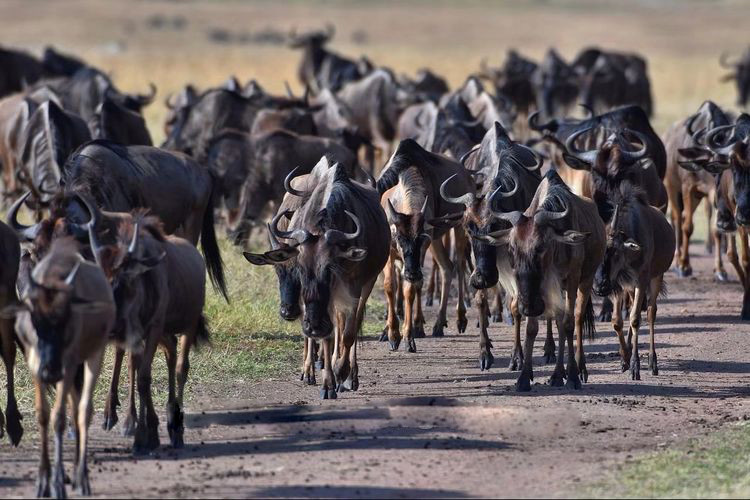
(50, 367)
(725, 222)
(316, 322)
(290, 312)
(742, 217)
(532, 307)
(413, 275)
(481, 280)
(602, 288)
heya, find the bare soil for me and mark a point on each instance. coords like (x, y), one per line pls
(431, 424)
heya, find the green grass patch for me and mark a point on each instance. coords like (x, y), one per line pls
(717, 465)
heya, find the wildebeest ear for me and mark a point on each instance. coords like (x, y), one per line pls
(571, 237)
(693, 153)
(633, 246)
(10, 311)
(576, 163)
(354, 254)
(716, 167)
(271, 257)
(691, 166)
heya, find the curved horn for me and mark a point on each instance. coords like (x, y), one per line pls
(424, 205)
(465, 199)
(300, 235)
(288, 184)
(712, 139)
(391, 210)
(689, 124)
(640, 153)
(168, 101)
(545, 216)
(725, 63)
(95, 246)
(289, 92)
(570, 146)
(589, 110)
(72, 274)
(512, 217)
(334, 236)
(81, 230)
(466, 155)
(133, 247)
(539, 159)
(615, 214)
(28, 233)
(274, 240)
(145, 99)
(539, 127)
(506, 194)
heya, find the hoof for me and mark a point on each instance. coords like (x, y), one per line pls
(418, 332)
(13, 426)
(516, 361)
(497, 317)
(721, 276)
(556, 380)
(550, 358)
(604, 317)
(327, 393)
(412, 346)
(684, 273)
(584, 373)
(351, 384)
(486, 360)
(310, 378)
(635, 369)
(128, 427)
(58, 485)
(83, 486)
(428, 301)
(437, 330)
(42, 486)
(573, 382)
(319, 364)
(652, 365)
(461, 324)
(110, 420)
(384, 335)
(394, 344)
(523, 384)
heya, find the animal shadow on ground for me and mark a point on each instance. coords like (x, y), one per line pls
(360, 491)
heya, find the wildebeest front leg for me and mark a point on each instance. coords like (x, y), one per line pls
(582, 300)
(617, 326)
(352, 380)
(58, 426)
(446, 273)
(308, 367)
(516, 357)
(461, 243)
(92, 367)
(12, 415)
(169, 345)
(128, 426)
(558, 376)
(635, 323)
(690, 203)
(431, 284)
(486, 359)
(410, 297)
(523, 384)
(733, 259)
(549, 344)
(653, 294)
(177, 430)
(417, 327)
(569, 323)
(391, 291)
(113, 399)
(42, 416)
(147, 428)
(715, 235)
(328, 389)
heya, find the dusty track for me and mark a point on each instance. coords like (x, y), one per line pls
(431, 424)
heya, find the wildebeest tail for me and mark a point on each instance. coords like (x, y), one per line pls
(210, 246)
(589, 321)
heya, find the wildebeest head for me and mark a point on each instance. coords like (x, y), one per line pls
(555, 84)
(623, 252)
(409, 233)
(532, 243)
(741, 74)
(281, 258)
(178, 106)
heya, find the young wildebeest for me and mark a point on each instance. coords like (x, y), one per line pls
(410, 186)
(509, 175)
(555, 248)
(341, 243)
(159, 287)
(63, 324)
(640, 246)
(10, 252)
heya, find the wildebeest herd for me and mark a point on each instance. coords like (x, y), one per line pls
(523, 207)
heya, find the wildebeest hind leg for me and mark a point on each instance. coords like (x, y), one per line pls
(113, 399)
(147, 427)
(128, 426)
(12, 415)
(446, 271)
(558, 376)
(486, 359)
(653, 292)
(328, 389)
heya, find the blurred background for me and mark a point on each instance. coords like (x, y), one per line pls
(203, 42)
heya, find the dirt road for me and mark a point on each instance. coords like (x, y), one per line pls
(431, 424)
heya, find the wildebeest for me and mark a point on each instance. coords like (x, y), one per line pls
(740, 74)
(121, 178)
(51, 134)
(250, 169)
(158, 283)
(341, 242)
(555, 85)
(320, 68)
(555, 247)
(640, 246)
(610, 79)
(17, 70)
(410, 186)
(513, 80)
(10, 252)
(63, 324)
(508, 176)
(178, 105)
(426, 85)
(116, 123)
(687, 181)
(438, 130)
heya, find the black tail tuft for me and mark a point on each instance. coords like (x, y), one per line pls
(211, 252)
(589, 321)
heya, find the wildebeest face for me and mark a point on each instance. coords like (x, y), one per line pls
(411, 240)
(478, 224)
(615, 270)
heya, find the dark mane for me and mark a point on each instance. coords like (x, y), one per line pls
(408, 154)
